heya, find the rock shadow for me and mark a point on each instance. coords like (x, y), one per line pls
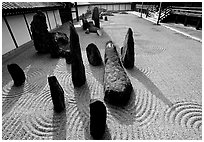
(141, 77)
(11, 98)
(98, 72)
(126, 114)
(59, 123)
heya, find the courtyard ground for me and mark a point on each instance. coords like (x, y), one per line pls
(167, 81)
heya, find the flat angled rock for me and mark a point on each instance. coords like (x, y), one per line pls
(16, 73)
(127, 51)
(77, 66)
(85, 24)
(117, 85)
(57, 94)
(93, 55)
(98, 116)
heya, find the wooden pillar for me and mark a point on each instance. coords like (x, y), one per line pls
(198, 24)
(10, 31)
(176, 19)
(76, 8)
(27, 25)
(159, 13)
(185, 21)
(141, 10)
(48, 20)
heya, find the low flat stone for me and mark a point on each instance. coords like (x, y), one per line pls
(98, 117)
(57, 94)
(16, 73)
(85, 24)
(117, 85)
(93, 55)
(127, 51)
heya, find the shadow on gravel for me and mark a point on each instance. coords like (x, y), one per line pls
(11, 98)
(125, 115)
(59, 124)
(98, 72)
(141, 77)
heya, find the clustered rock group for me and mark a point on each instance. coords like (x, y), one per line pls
(117, 85)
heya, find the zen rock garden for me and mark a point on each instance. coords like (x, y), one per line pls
(117, 85)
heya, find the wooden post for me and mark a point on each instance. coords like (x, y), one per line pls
(141, 10)
(198, 24)
(185, 21)
(76, 8)
(176, 19)
(159, 13)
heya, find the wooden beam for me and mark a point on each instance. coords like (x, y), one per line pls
(10, 31)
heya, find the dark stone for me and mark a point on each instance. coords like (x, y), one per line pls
(68, 57)
(39, 32)
(85, 24)
(57, 94)
(93, 55)
(95, 17)
(17, 74)
(127, 52)
(61, 38)
(77, 66)
(44, 41)
(101, 17)
(98, 116)
(53, 46)
(106, 18)
(92, 28)
(117, 85)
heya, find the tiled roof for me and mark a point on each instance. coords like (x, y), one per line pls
(26, 5)
(15, 8)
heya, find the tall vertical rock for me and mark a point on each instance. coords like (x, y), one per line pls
(98, 116)
(127, 51)
(117, 85)
(77, 66)
(95, 17)
(57, 94)
(17, 74)
(40, 34)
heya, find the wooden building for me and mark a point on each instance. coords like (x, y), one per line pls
(16, 19)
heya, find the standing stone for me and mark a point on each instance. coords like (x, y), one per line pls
(127, 52)
(44, 41)
(77, 66)
(106, 18)
(57, 94)
(68, 57)
(40, 33)
(98, 116)
(117, 85)
(93, 55)
(95, 17)
(17, 74)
